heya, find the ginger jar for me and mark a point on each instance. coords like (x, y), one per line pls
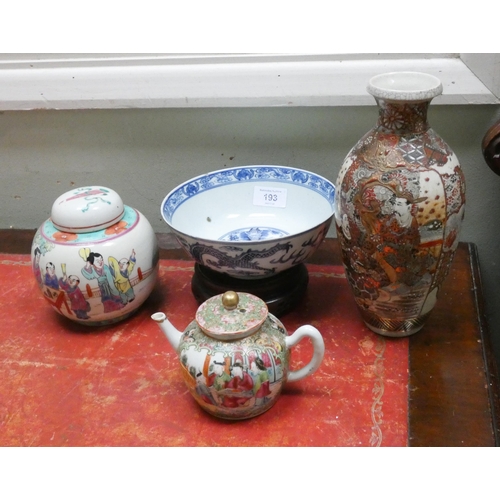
(95, 259)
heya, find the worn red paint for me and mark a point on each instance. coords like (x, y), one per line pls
(64, 384)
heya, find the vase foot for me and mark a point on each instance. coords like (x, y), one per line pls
(389, 327)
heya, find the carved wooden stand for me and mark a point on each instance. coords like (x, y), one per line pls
(280, 292)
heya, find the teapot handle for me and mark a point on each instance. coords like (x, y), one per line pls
(318, 353)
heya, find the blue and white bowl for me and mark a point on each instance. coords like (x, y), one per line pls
(251, 221)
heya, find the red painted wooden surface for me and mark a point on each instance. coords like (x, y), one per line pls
(64, 384)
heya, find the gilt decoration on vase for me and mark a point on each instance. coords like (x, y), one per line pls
(399, 209)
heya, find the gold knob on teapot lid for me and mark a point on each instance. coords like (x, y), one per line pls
(230, 300)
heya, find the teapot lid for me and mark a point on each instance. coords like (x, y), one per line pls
(231, 315)
(87, 209)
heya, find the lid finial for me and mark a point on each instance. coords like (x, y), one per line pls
(230, 300)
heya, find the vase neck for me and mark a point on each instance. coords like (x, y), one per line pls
(402, 117)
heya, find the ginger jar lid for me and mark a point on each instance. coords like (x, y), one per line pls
(231, 315)
(87, 209)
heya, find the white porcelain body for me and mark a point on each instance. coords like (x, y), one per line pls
(252, 221)
(99, 277)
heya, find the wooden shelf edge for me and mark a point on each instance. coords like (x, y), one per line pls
(491, 367)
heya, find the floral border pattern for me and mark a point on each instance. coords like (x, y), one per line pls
(219, 178)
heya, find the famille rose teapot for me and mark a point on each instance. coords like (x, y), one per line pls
(95, 259)
(235, 355)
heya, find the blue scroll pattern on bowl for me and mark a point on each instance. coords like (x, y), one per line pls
(246, 174)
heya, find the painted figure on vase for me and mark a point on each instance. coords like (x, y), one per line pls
(387, 241)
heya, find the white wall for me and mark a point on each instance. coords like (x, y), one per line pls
(144, 153)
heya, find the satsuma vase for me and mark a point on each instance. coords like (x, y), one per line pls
(399, 207)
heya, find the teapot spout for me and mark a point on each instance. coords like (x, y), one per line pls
(173, 335)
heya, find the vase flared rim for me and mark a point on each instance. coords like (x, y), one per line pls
(405, 86)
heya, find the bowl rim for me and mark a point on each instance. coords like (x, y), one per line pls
(330, 196)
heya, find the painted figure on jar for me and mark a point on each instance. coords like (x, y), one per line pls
(70, 284)
(96, 269)
(121, 271)
(36, 266)
(50, 278)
